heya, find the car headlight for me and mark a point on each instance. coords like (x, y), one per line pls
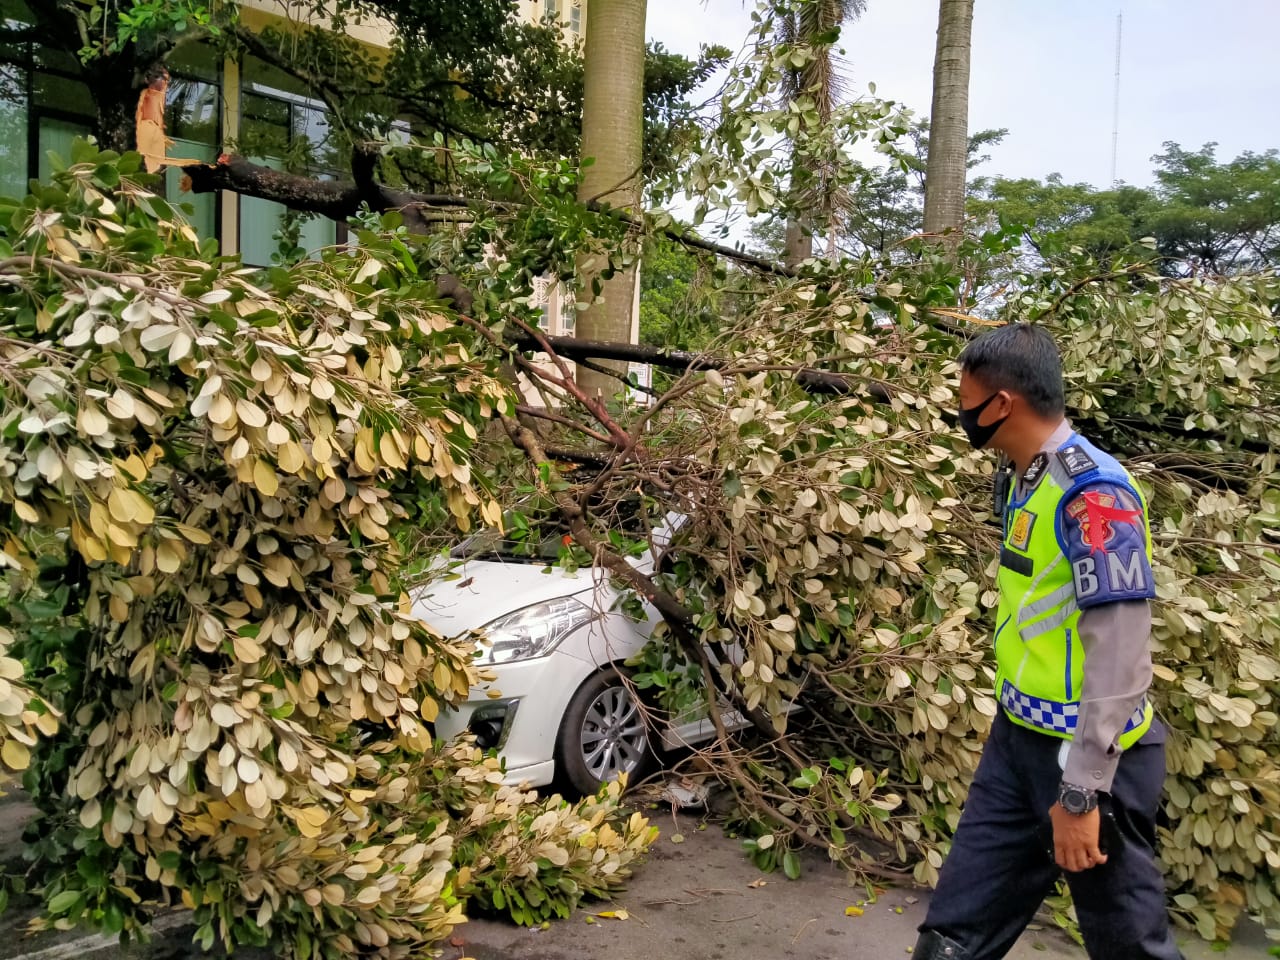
(533, 631)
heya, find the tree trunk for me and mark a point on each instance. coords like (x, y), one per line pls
(612, 134)
(944, 185)
(798, 245)
(114, 128)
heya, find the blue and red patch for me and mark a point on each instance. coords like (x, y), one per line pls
(1096, 513)
(1104, 537)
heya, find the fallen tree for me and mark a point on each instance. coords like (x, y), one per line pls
(844, 539)
(841, 536)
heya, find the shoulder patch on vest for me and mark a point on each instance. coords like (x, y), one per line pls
(1103, 535)
(1096, 515)
(1075, 460)
(1039, 466)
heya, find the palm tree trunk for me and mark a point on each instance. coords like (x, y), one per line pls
(819, 79)
(612, 134)
(798, 246)
(944, 185)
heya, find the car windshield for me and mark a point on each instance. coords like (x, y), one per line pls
(490, 543)
(528, 541)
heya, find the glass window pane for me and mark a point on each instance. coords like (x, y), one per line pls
(553, 9)
(575, 18)
(568, 310)
(48, 58)
(204, 206)
(313, 124)
(317, 232)
(196, 61)
(259, 221)
(264, 126)
(261, 77)
(57, 135)
(15, 11)
(13, 131)
(63, 94)
(191, 112)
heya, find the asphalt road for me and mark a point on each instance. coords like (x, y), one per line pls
(696, 899)
(701, 899)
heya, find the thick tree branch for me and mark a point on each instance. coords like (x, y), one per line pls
(336, 199)
(571, 348)
(340, 199)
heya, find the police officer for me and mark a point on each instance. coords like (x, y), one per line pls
(1071, 775)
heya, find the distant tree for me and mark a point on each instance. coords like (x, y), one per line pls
(1213, 217)
(1056, 215)
(681, 302)
(885, 203)
(888, 202)
(1204, 216)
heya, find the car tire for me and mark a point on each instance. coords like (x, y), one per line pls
(603, 734)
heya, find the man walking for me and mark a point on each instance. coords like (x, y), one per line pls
(1071, 776)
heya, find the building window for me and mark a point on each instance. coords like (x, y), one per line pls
(568, 310)
(575, 18)
(14, 131)
(45, 107)
(281, 127)
(540, 300)
(553, 10)
(193, 121)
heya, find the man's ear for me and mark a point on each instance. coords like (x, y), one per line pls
(1002, 405)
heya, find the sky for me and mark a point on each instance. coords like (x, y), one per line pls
(1191, 72)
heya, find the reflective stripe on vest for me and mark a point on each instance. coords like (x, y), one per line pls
(1040, 659)
(1050, 715)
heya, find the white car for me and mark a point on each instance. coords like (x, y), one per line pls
(557, 642)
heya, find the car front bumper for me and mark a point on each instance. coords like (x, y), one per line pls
(523, 719)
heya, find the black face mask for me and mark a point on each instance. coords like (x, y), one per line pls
(979, 435)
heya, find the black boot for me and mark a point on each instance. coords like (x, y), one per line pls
(934, 946)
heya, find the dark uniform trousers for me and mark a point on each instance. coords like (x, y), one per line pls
(1001, 865)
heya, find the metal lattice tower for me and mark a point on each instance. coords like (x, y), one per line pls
(1115, 107)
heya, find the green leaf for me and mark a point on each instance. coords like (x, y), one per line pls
(66, 902)
(791, 865)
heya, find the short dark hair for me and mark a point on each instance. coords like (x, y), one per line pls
(1023, 359)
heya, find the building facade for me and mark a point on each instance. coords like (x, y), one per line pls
(212, 101)
(45, 106)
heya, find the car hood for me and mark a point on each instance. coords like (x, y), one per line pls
(484, 590)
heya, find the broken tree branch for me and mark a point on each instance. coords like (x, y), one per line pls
(572, 348)
(341, 199)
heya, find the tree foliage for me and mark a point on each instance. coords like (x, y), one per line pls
(1204, 215)
(681, 304)
(847, 545)
(225, 699)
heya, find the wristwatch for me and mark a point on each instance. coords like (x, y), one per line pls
(1077, 800)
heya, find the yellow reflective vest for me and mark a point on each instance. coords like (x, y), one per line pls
(1078, 539)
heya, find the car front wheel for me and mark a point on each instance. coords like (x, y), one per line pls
(603, 734)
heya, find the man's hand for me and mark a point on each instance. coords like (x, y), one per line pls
(1075, 839)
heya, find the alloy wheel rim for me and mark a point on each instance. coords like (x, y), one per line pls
(613, 737)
